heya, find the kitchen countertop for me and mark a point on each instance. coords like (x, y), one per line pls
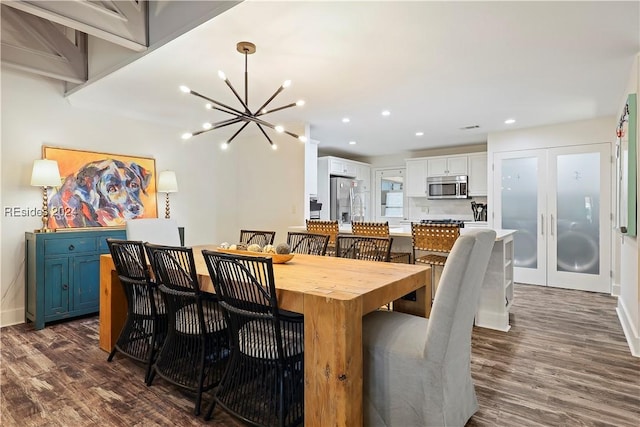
(405, 231)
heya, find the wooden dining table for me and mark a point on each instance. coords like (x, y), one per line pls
(333, 294)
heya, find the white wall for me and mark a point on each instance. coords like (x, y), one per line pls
(629, 297)
(220, 191)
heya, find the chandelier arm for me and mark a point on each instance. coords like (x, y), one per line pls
(233, 113)
(292, 134)
(267, 124)
(237, 132)
(246, 108)
(223, 123)
(280, 89)
(264, 133)
(293, 104)
(199, 95)
(219, 125)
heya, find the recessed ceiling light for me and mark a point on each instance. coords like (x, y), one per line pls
(509, 121)
(386, 113)
(352, 143)
(419, 133)
(346, 120)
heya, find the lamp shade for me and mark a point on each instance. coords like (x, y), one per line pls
(45, 173)
(167, 182)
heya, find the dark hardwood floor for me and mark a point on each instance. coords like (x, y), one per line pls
(564, 362)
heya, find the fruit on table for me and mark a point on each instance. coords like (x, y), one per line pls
(254, 247)
(269, 249)
(283, 248)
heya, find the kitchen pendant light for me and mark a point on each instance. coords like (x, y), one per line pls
(244, 114)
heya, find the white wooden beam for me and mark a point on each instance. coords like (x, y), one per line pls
(123, 22)
(36, 45)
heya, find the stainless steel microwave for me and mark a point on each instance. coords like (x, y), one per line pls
(447, 187)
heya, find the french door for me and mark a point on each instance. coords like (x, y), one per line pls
(559, 201)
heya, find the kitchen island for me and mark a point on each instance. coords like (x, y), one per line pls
(497, 288)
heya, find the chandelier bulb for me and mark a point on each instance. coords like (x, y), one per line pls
(208, 106)
(185, 89)
(221, 75)
(286, 84)
(224, 145)
(300, 103)
(206, 126)
(274, 147)
(187, 135)
(279, 129)
(302, 138)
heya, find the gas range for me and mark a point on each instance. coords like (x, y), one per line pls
(457, 222)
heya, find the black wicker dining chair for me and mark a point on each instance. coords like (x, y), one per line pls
(364, 247)
(308, 243)
(195, 351)
(145, 326)
(258, 237)
(264, 382)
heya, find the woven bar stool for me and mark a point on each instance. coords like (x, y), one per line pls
(379, 229)
(438, 238)
(330, 228)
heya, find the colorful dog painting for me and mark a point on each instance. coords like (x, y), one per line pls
(100, 189)
(100, 194)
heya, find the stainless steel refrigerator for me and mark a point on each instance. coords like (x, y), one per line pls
(346, 200)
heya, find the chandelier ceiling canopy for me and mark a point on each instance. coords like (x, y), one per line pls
(243, 114)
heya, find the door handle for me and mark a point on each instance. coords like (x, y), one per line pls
(541, 224)
(552, 226)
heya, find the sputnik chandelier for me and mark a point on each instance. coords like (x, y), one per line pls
(246, 116)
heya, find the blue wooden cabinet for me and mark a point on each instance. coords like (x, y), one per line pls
(62, 275)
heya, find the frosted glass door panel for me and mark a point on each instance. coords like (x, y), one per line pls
(520, 205)
(577, 198)
(579, 224)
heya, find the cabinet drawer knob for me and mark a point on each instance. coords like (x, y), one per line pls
(71, 247)
(65, 287)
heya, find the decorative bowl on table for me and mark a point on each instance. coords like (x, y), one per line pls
(276, 258)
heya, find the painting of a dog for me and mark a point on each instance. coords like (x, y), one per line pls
(102, 193)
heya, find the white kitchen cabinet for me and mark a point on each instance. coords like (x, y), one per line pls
(416, 177)
(447, 165)
(478, 174)
(342, 167)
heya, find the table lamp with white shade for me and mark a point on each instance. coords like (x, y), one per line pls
(167, 183)
(45, 174)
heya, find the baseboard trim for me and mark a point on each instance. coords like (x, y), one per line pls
(496, 321)
(630, 332)
(11, 317)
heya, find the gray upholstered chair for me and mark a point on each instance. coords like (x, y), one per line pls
(417, 371)
(157, 231)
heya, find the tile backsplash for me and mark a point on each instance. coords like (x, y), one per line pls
(423, 208)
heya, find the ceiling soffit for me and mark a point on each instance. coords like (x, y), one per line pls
(39, 46)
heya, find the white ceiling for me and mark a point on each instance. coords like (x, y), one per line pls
(436, 66)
